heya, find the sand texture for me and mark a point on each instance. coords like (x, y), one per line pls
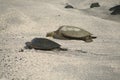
(23, 20)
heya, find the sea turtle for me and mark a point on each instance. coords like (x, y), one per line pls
(71, 32)
(115, 10)
(43, 44)
(94, 5)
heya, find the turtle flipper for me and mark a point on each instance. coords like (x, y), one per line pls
(63, 49)
(50, 34)
(93, 37)
(60, 49)
(88, 39)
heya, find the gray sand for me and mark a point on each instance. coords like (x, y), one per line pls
(23, 20)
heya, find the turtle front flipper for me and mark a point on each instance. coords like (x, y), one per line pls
(50, 34)
(28, 45)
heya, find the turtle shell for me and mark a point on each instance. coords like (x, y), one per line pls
(44, 44)
(74, 32)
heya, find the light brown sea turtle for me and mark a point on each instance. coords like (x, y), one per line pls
(71, 32)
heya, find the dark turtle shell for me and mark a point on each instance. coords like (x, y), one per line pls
(42, 44)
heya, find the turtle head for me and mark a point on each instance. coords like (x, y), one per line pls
(28, 45)
(50, 34)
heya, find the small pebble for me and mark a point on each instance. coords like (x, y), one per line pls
(68, 6)
(1, 50)
(81, 51)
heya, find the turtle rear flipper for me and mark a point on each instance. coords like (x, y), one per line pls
(89, 38)
(63, 49)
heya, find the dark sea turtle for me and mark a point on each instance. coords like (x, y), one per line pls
(43, 44)
(115, 10)
(71, 32)
(94, 5)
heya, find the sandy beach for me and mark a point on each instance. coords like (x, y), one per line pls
(23, 20)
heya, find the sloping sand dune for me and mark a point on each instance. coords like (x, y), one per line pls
(23, 20)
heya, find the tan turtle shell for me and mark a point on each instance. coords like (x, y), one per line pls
(74, 32)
